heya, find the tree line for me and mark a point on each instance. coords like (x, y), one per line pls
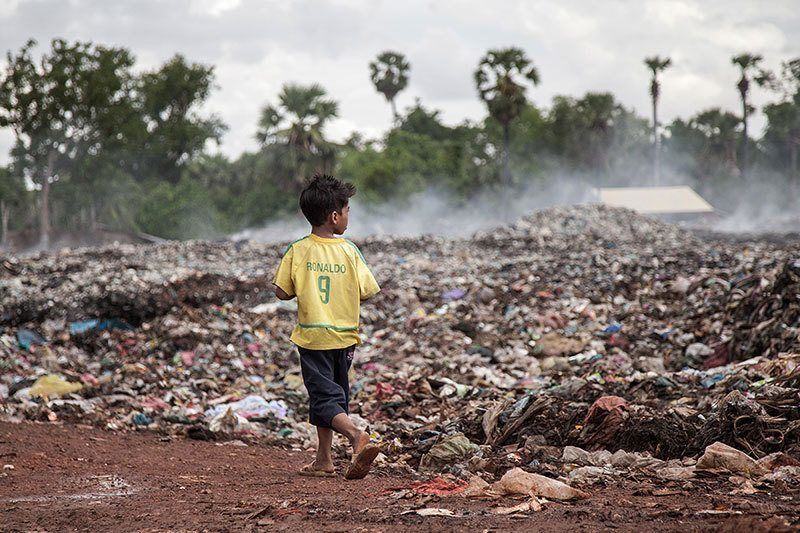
(98, 145)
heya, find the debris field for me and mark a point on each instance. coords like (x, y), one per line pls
(529, 366)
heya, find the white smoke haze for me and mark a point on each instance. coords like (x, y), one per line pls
(436, 213)
(761, 206)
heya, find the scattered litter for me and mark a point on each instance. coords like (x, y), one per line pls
(452, 448)
(27, 339)
(581, 342)
(52, 385)
(517, 481)
(438, 486)
(719, 456)
(251, 407)
(430, 511)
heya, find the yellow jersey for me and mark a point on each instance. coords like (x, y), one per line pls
(330, 278)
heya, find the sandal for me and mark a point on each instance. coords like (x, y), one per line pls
(310, 471)
(361, 464)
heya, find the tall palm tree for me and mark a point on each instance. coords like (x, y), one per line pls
(656, 64)
(297, 122)
(749, 67)
(389, 74)
(501, 79)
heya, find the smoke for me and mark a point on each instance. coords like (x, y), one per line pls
(758, 205)
(438, 213)
(763, 203)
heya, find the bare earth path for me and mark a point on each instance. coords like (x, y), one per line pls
(79, 478)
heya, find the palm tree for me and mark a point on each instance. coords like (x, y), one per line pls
(500, 80)
(656, 65)
(389, 74)
(749, 67)
(297, 123)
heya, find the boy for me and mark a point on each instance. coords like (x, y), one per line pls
(330, 278)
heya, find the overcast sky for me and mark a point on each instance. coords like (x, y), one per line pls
(577, 45)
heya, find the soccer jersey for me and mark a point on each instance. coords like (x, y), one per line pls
(330, 278)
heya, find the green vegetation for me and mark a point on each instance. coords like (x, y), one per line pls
(99, 144)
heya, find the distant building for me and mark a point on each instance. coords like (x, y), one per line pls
(679, 201)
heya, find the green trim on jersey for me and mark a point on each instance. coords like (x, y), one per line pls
(295, 242)
(328, 326)
(357, 250)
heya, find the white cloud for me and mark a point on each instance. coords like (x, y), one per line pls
(578, 46)
(8, 8)
(215, 8)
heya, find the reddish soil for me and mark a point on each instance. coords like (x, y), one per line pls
(79, 478)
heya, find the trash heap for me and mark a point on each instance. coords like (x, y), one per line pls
(580, 342)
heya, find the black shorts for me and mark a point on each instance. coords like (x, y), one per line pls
(325, 377)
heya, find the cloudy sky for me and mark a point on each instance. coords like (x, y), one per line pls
(577, 45)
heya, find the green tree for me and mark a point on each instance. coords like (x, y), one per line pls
(245, 192)
(709, 139)
(749, 68)
(420, 154)
(184, 210)
(37, 101)
(176, 132)
(13, 197)
(501, 79)
(72, 111)
(108, 131)
(424, 122)
(297, 123)
(596, 133)
(656, 64)
(783, 120)
(389, 74)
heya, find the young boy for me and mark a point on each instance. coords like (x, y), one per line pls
(330, 278)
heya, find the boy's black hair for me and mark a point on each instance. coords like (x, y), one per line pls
(323, 195)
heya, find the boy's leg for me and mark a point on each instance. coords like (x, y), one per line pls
(343, 424)
(324, 460)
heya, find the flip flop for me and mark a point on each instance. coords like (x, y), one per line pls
(360, 466)
(310, 471)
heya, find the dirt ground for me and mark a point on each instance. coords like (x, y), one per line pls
(68, 477)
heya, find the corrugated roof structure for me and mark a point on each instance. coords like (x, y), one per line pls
(680, 199)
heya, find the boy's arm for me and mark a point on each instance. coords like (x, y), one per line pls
(367, 286)
(281, 294)
(283, 283)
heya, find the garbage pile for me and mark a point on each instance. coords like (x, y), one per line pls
(580, 343)
(768, 312)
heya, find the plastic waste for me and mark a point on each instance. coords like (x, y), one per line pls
(449, 450)
(719, 456)
(517, 481)
(53, 385)
(141, 419)
(251, 407)
(82, 326)
(27, 338)
(229, 423)
(453, 294)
